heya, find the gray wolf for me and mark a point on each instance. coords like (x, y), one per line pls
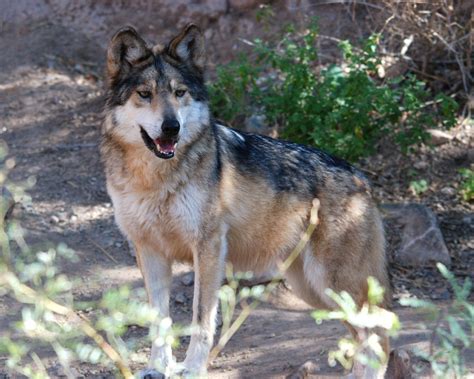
(187, 188)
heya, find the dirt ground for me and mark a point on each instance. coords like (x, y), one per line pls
(51, 101)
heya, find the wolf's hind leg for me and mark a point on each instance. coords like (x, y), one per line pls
(309, 278)
(156, 271)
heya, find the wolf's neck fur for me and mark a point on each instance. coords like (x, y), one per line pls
(136, 166)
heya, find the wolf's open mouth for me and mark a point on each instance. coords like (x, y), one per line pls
(166, 146)
(163, 147)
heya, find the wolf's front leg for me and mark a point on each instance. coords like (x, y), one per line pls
(209, 260)
(156, 271)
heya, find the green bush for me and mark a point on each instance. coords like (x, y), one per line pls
(343, 108)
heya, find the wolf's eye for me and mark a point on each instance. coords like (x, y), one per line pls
(144, 94)
(179, 92)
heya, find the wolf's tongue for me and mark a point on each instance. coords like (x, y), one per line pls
(165, 145)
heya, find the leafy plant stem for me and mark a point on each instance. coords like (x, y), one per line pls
(33, 296)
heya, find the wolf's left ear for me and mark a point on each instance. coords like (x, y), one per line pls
(188, 47)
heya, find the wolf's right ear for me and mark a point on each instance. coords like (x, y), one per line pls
(126, 50)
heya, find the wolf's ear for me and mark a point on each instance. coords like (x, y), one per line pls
(188, 47)
(126, 50)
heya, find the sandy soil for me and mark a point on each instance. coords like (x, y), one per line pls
(51, 101)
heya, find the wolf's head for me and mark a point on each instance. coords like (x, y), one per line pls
(156, 95)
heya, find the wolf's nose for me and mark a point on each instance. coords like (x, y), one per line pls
(170, 127)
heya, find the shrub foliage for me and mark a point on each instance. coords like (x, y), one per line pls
(343, 108)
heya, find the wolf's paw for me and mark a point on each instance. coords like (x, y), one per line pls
(150, 373)
(187, 373)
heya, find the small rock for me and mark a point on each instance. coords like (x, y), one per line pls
(54, 219)
(208, 34)
(439, 137)
(63, 217)
(188, 279)
(79, 68)
(422, 242)
(180, 298)
(421, 165)
(448, 191)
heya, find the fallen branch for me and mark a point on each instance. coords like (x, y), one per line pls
(102, 249)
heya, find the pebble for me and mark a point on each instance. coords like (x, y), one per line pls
(180, 298)
(54, 219)
(421, 165)
(188, 279)
(448, 191)
(63, 217)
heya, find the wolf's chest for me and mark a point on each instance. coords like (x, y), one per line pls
(159, 213)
